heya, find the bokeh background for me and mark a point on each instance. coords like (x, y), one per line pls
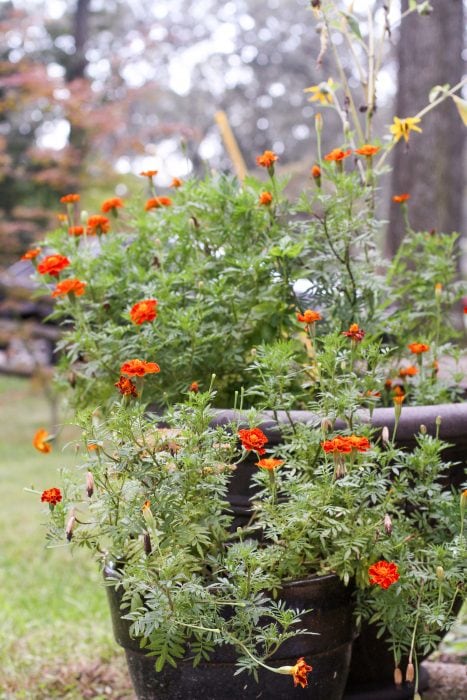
(91, 93)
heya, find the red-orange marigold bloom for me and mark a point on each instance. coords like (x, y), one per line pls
(253, 439)
(409, 371)
(62, 218)
(309, 316)
(126, 387)
(338, 444)
(266, 159)
(300, 672)
(97, 224)
(354, 332)
(111, 204)
(400, 198)
(269, 463)
(367, 150)
(316, 172)
(418, 348)
(383, 573)
(465, 309)
(149, 173)
(70, 198)
(53, 265)
(69, 286)
(40, 441)
(31, 254)
(52, 496)
(194, 387)
(265, 198)
(138, 368)
(176, 182)
(76, 230)
(143, 311)
(157, 202)
(359, 443)
(337, 154)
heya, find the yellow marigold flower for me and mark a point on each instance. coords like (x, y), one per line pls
(402, 127)
(321, 93)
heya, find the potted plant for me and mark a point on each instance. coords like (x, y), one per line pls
(294, 308)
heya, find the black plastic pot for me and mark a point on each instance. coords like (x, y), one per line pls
(328, 652)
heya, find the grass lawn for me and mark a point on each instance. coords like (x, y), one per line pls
(55, 634)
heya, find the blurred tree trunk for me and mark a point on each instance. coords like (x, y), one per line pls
(431, 169)
(77, 64)
(75, 70)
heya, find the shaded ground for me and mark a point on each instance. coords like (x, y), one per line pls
(97, 680)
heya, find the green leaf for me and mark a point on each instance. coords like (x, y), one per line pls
(353, 24)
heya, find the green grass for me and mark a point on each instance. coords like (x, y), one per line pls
(53, 610)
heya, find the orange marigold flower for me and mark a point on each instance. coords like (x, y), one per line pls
(31, 254)
(69, 286)
(465, 309)
(309, 316)
(97, 225)
(157, 202)
(194, 387)
(126, 387)
(337, 154)
(266, 159)
(358, 443)
(41, 441)
(299, 672)
(111, 204)
(143, 311)
(176, 182)
(383, 573)
(253, 439)
(138, 368)
(265, 198)
(398, 395)
(76, 230)
(355, 333)
(52, 496)
(316, 172)
(149, 173)
(338, 444)
(70, 198)
(146, 506)
(62, 218)
(388, 384)
(269, 463)
(409, 371)
(53, 265)
(367, 150)
(400, 198)
(418, 348)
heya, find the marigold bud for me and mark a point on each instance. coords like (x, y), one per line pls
(398, 676)
(326, 425)
(147, 543)
(438, 420)
(410, 673)
(423, 430)
(319, 122)
(69, 527)
(385, 435)
(89, 484)
(440, 573)
(438, 289)
(387, 524)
